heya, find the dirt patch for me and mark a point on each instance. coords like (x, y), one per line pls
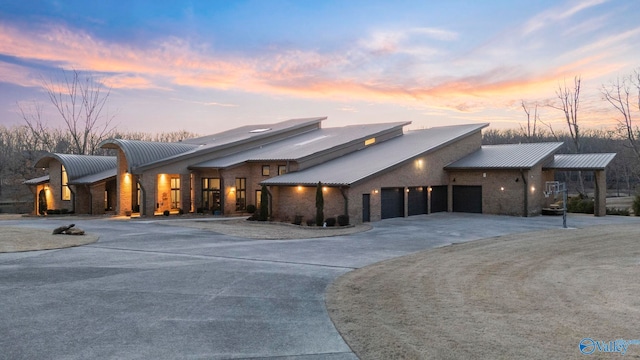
(267, 230)
(15, 239)
(526, 296)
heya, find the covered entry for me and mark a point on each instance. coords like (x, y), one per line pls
(467, 199)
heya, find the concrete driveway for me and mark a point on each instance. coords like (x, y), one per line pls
(148, 290)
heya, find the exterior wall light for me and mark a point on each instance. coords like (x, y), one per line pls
(232, 189)
(407, 190)
(429, 189)
(299, 188)
(533, 188)
(501, 188)
(324, 189)
(375, 191)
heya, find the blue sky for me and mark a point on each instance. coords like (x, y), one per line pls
(206, 66)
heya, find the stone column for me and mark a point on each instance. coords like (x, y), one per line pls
(600, 197)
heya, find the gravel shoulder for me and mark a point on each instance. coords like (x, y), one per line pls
(525, 296)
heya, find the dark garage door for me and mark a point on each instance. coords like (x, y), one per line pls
(467, 199)
(392, 203)
(438, 198)
(417, 200)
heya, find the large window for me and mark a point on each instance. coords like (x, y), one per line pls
(211, 194)
(175, 192)
(265, 170)
(65, 191)
(241, 194)
(282, 169)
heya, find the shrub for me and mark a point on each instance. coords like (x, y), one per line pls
(254, 217)
(251, 208)
(180, 212)
(311, 222)
(331, 221)
(580, 205)
(615, 211)
(166, 213)
(343, 220)
(636, 205)
(297, 220)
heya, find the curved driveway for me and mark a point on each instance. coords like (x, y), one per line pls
(147, 290)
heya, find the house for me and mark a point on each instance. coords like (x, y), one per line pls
(368, 172)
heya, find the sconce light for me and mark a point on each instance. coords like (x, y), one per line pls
(299, 188)
(454, 180)
(501, 188)
(533, 189)
(375, 191)
(407, 190)
(324, 189)
(232, 189)
(429, 189)
(517, 179)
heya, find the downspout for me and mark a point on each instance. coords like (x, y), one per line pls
(525, 193)
(223, 192)
(346, 200)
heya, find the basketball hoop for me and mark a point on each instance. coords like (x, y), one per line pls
(556, 187)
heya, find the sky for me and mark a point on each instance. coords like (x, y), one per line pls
(208, 66)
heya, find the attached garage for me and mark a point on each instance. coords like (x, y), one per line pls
(392, 202)
(439, 198)
(467, 199)
(417, 200)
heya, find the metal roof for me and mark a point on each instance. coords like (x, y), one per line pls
(36, 181)
(580, 161)
(97, 177)
(250, 131)
(303, 145)
(143, 152)
(79, 165)
(152, 154)
(384, 156)
(507, 156)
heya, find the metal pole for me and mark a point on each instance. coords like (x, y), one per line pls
(564, 210)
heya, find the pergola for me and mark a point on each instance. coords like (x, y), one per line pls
(587, 162)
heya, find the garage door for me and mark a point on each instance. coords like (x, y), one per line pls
(417, 200)
(467, 199)
(392, 202)
(438, 198)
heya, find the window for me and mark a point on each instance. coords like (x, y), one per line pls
(282, 169)
(241, 194)
(211, 194)
(370, 141)
(265, 170)
(175, 192)
(258, 199)
(65, 191)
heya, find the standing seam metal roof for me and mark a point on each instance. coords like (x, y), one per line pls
(303, 145)
(143, 152)
(79, 165)
(580, 161)
(507, 156)
(374, 159)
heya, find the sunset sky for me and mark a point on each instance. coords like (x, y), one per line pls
(207, 66)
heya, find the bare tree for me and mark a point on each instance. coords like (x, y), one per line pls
(624, 95)
(530, 131)
(569, 105)
(80, 100)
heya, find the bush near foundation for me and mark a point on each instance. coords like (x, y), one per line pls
(343, 220)
(580, 204)
(636, 205)
(616, 211)
(331, 221)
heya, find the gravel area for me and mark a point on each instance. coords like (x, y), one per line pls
(525, 296)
